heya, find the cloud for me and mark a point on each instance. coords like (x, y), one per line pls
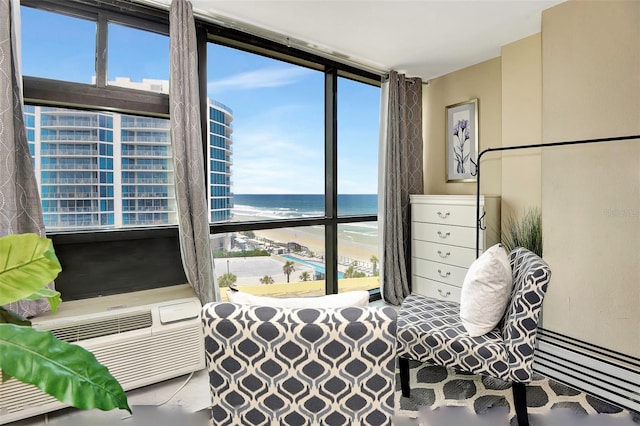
(273, 160)
(275, 152)
(259, 79)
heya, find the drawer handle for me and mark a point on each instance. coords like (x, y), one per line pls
(443, 216)
(444, 256)
(443, 294)
(443, 275)
(443, 236)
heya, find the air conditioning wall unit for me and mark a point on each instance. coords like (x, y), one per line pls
(140, 345)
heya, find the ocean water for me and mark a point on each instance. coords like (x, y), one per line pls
(288, 206)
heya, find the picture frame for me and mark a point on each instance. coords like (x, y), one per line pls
(462, 141)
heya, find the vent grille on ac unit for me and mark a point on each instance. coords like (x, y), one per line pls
(104, 327)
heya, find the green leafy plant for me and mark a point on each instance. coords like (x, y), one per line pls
(305, 276)
(267, 279)
(227, 280)
(524, 231)
(67, 372)
(352, 272)
(288, 269)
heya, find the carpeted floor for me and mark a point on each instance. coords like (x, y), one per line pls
(444, 397)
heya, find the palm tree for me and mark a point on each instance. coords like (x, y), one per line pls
(351, 271)
(227, 279)
(266, 280)
(374, 260)
(305, 276)
(288, 268)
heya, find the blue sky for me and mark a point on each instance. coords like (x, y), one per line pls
(278, 138)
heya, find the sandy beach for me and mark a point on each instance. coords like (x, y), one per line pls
(315, 243)
(350, 245)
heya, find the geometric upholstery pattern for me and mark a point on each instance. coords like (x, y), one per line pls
(531, 276)
(307, 366)
(430, 330)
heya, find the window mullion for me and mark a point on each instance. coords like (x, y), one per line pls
(101, 50)
(331, 181)
(43, 91)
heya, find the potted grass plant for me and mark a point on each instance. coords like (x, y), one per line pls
(65, 371)
(524, 231)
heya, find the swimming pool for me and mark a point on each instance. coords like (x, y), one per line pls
(319, 267)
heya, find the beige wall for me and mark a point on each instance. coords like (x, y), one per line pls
(521, 124)
(591, 194)
(591, 63)
(481, 81)
(578, 79)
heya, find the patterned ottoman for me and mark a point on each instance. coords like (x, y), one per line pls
(331, 366)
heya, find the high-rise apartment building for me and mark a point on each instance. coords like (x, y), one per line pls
(220, 150)
(99, 169)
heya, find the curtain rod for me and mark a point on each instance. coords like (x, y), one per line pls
(537, 145)
(410, 80)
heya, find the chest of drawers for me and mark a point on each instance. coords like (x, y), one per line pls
(443, 240)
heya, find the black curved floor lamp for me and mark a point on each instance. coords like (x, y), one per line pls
(479, 217)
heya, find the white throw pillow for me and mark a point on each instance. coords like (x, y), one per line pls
(486, 291)
(341, 300)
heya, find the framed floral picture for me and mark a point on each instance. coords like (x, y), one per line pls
(462, 141)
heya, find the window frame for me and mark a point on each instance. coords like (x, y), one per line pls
(48, 92)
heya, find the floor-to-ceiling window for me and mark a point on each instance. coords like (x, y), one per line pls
(303, 168)
(276, 170)
(358, 108)
(291, 152)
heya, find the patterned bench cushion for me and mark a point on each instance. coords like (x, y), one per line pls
(430, 330)
(300, 366)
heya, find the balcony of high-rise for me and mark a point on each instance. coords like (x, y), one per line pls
(69, 118)
(66, 163)
(147, 164)
(70, 135)
(147, 191)
(145, 151)
(68, 150)
(69, 177)
(74, 220)
(165, 205)
(146, 178)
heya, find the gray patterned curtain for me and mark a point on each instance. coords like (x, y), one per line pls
(401, 175)
(20, 208)
(186, 140)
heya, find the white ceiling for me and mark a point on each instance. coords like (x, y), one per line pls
(425, 38)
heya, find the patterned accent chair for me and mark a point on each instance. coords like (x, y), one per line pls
(430, 331)
(322, 366)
